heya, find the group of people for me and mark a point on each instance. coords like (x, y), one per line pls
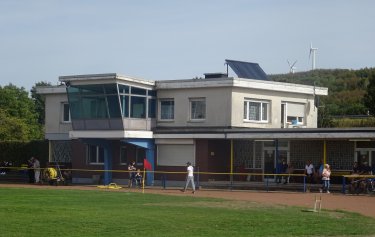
(320, 174)
(33, 170)
(4, 165)
(135, 176)
(358, 184)
(284, 171)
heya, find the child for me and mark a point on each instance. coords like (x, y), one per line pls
(138, 178)
(326, 174)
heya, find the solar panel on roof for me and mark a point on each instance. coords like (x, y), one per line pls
(247, 70)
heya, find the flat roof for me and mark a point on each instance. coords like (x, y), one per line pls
(242, 83)
(111, 77)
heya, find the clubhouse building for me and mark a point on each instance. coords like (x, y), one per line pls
(218, 123)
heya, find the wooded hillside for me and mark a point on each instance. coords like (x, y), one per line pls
(346, 88)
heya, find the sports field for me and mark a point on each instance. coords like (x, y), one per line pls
(97, 212)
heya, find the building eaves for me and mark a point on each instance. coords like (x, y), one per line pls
(241, 83)
(104, 77)
(249, 133)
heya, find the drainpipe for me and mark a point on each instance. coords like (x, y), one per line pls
(325, 152)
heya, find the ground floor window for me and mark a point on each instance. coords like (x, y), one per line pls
(131, 153)
(95, 154)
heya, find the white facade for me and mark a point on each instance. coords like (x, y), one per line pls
(56, 128)
(225, 99)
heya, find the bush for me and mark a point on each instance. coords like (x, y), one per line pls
(351, 123)
(19, 152)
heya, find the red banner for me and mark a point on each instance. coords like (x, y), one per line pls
(147, 165)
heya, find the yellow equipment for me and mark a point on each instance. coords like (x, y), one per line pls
(51, 176)
(110, 186)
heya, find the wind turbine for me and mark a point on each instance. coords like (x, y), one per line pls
(292, 68)
(312, 54)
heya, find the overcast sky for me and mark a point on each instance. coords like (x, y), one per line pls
(41, 40)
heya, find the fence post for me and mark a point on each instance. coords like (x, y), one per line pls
(267, 185)
(343, 184)
(304, 184)
(164, 181)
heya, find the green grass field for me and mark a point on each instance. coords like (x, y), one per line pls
(49, 212)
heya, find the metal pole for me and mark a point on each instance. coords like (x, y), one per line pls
(325, 152)
(198, 182)
(304, 183)
(231, 163)
(164, 182)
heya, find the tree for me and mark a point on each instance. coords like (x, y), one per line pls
(12, 128)
(18, 118)
(39, 101)
(369, 98)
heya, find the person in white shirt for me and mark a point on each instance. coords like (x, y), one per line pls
(36, 166)
(190, 177)
(309, 171)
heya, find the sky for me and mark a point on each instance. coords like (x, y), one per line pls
(41, 40)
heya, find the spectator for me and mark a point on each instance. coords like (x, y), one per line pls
(365, 169)
(138, 178)
(318, 172)
(131, 169)
(355, 168)
(290, 171)
(326, 174)
(36, 166)
(309, 171)
(281, 169)
(30, 170)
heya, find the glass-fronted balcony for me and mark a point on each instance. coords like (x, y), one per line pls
(111, 107)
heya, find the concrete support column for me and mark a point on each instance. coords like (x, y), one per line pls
(107, 165)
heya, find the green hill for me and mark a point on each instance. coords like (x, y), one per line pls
(346, 89)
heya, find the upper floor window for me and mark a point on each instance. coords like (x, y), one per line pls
(166, 109)
(137, 102)
(256, 110)
(295, 113)
(95, 154)
(65, 112)
(197, 108)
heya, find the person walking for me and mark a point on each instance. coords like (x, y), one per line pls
(190, 177)
(326, 174)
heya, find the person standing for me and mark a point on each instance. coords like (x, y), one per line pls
(190, 177)
(290, 170)
(326, 174)
(309, 172)
(30, 170)
(36, 166)
(131, 169)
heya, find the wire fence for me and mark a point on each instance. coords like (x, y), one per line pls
(345, 183)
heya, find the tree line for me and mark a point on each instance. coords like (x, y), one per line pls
(21, 116)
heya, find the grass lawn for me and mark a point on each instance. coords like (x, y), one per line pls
(49, 212)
